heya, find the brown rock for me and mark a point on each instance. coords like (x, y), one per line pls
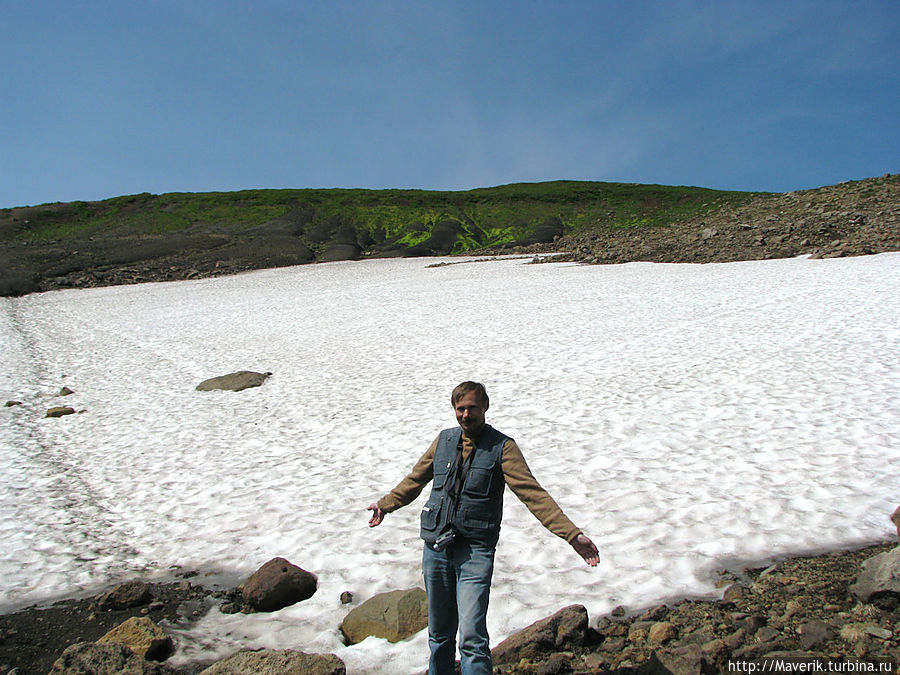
(715, 649)
(129, 594)
(813, 634)
(277, 662)
(242, 379)
(89, 658)
(394, 616)
(143, 637)
(60, 411)
(733, 593)
(686, 660)
(661, 632)
(568, 627)
(276, 585)
(895, 518)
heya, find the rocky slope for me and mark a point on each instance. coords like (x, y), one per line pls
(854, 218)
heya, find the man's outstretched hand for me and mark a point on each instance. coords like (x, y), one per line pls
(582, 545)
(378, 516)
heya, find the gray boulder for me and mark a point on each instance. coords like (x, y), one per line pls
(394, 616)
(90, 658)
(276, 585)
(277, 662)
(879, 576)
(565, 629)
(242, 379)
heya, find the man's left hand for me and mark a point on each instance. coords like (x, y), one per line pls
(586, 549)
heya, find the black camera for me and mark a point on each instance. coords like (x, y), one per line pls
(444, 540)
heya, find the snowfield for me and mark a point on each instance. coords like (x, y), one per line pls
(688, 417)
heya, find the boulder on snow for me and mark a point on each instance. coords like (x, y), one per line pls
(60, 411)
(276, 585)
(242, 379)
(394, 615)
(895, 518)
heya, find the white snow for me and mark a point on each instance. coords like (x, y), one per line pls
(688, 417)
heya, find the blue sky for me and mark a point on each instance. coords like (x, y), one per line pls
(108, 98)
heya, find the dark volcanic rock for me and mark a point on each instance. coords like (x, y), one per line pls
(276, 585)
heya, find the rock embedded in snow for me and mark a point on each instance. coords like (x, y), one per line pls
(10, 404)
(65, 391)
(277, 662)
(141, 636)
(879, 576)
(895, 518)
(60, 411)
(242, 379)
(394, 616)
(277, 584)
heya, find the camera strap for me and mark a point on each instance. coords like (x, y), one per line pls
(462, 468)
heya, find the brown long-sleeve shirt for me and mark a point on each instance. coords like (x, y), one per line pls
(516, 474)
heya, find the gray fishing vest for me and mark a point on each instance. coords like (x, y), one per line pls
(476, 515)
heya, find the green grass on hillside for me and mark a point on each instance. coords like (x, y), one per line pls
(489, 216)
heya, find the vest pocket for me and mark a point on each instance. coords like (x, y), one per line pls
(478, 482)
(430, 514)
(478, 519)
(440, 477)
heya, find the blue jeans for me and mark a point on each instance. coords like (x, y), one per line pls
(458, 584)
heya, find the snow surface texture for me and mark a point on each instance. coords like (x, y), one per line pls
(688, 417)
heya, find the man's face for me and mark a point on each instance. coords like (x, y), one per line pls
(470, 413)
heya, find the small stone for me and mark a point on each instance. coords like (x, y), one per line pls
(733, 593)
(10, 404)
(766, 634)
(639, 631)
(878, 632)
(661, 632)
(618, 611)
(814, 633)
(65, 391)
(715, 649)
(346, 598)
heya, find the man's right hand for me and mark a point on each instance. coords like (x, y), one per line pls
(377, 515)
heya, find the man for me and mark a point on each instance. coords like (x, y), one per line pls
(460, 524)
